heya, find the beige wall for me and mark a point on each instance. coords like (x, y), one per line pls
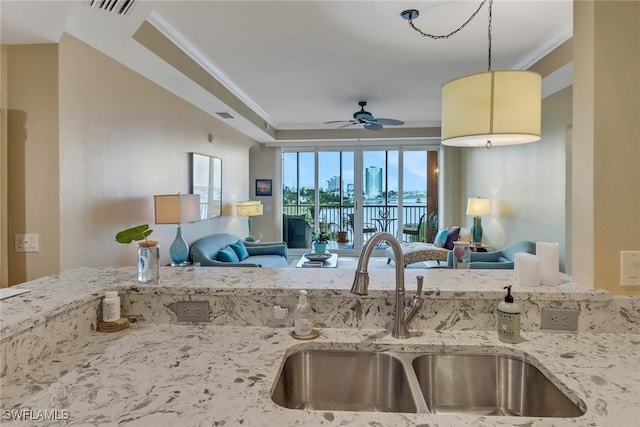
(524, 183)
(4, 241)
(606, 140)
(32, 171)
(266, 163)
(122, 139)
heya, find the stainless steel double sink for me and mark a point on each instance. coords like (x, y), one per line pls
(438, 383)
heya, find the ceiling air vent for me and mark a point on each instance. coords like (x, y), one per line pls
(119, 7)
(225, 115)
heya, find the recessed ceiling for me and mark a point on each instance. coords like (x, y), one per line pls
(298, 64)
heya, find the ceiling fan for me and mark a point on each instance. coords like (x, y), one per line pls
(367, 119)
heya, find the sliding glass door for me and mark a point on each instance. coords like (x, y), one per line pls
(355, 194)
(319, 188)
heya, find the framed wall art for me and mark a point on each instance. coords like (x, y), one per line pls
(263, 187)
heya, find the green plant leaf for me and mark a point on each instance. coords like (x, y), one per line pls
(135, 233)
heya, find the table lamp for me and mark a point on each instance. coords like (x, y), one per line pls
(249, 208)
(477, 208)
(177, 209)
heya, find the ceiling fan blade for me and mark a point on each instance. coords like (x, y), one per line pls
(340, 121)
(347, 125)
(373, 126)
(390, 122)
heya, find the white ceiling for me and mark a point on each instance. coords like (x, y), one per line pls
(298, 64)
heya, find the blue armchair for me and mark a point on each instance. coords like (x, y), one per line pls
(296, 231)
(215, 250)
(502, 259)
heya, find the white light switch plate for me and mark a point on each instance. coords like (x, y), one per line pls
(27, 243)
(630, 268)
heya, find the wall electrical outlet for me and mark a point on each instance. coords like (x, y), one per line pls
(27, 243)
(559, 319)
(192, 311)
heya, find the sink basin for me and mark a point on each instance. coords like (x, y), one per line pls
(439, 383)
(344, 380)
(489, 384)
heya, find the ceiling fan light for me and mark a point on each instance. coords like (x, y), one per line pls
(500, 107)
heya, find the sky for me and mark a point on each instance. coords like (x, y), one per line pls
(415, 168)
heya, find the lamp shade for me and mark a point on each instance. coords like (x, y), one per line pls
(177, 208)
(478, 207)
(249, 208)
(499, 107)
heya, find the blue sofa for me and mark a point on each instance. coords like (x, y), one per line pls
(502, 259)
(218, 250)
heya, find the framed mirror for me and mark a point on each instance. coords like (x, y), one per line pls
(205, 179)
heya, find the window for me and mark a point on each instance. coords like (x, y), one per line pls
(390, 191)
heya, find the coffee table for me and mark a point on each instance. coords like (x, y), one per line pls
(330, 263)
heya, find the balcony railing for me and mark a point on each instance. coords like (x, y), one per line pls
(380, 217)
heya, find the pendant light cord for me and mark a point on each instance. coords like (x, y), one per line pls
(489, 31)
(409, 17)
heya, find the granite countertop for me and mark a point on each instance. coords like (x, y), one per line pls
(60, 293)
(187, 375)
(156, 374)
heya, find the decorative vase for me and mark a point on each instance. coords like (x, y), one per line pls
(148, 262)
(461, 254)
(319, 248)
(179, 251)
(476, 230)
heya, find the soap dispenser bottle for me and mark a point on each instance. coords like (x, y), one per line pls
(508, 319)
(303, 316)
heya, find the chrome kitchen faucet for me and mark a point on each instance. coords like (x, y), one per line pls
(404, 315)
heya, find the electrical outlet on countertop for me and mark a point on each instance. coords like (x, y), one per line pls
(192, 311)
(559, 319)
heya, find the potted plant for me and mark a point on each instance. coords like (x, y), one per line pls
(137, 233)
(320, 239)
(342, 233)
(148, 251)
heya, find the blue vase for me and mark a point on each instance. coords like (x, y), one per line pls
(179, 251)
(319, 248)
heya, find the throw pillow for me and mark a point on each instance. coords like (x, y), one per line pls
(441, 238)
(452, 237)
(227, 254)
(240, 250)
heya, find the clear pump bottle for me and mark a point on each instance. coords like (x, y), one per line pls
(303, 316)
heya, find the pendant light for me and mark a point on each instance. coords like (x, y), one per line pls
(488, 109)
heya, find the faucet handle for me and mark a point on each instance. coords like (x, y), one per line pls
(420, 280)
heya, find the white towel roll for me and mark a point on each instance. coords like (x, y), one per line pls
(527, 269)
(549, 255)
